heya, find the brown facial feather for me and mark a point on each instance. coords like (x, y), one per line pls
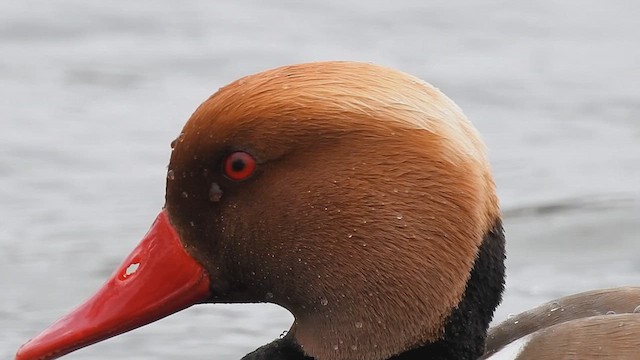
(364, 217)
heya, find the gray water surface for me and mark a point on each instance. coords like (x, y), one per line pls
(91, 94)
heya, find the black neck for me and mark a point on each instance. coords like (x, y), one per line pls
(466, 328)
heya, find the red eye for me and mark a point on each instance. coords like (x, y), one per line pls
(239, 165)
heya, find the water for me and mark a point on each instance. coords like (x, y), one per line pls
(91, 95)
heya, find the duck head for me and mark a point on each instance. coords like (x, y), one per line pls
(355, 196)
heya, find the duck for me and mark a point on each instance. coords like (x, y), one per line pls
(359, 198)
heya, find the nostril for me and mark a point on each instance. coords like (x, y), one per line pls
(131, 269)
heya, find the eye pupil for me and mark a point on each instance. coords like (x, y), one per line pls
(239, 165)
